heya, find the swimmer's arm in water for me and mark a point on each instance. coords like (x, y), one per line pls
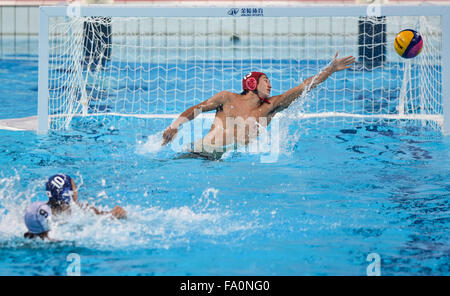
(118, 212)
(211, 104)
(283, 101)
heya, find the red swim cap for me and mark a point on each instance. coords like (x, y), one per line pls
(250, 81)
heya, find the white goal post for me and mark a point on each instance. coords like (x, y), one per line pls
(152, 62)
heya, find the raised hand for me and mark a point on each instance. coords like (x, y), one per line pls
(341, 64)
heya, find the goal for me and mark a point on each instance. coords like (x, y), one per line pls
(154, 62)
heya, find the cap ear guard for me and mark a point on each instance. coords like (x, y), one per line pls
(251, 83)
(66, 196)
(37, 217)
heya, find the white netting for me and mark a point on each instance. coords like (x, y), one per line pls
(158, 67)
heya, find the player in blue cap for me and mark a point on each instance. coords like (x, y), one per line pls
(37, 217)
(61, 190)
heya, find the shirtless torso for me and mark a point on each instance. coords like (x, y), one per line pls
(237, 121)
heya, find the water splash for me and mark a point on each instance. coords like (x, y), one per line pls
(152, 146)
(153, 226)
(149, 227)
(14, 199)
(293, 116)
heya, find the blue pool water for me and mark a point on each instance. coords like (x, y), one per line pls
(334, 196)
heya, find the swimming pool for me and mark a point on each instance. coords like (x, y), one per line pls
(334, 196)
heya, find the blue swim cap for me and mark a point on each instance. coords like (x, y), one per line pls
(59, 189)
(37, 216)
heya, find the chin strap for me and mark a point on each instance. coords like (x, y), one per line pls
(264, 100)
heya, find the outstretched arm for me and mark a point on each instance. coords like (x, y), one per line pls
(211, 104)
(283, 101)
(118, 212)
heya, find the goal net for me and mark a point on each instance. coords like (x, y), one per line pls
(104, 66)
